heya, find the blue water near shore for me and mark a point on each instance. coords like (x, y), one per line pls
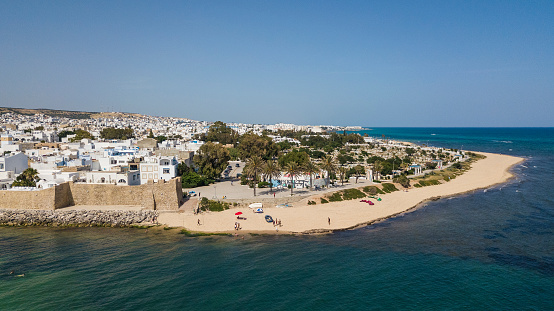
(490, 250)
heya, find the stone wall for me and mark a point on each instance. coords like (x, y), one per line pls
(43, 199)
(152, 196)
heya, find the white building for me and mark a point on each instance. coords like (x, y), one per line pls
(13, 162)
(124, 178)
(156, 168)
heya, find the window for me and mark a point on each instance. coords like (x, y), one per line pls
(166, 171)
(1, 166)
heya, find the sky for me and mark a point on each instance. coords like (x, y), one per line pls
(368, 63)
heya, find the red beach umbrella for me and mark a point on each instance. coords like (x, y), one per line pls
(238, 213)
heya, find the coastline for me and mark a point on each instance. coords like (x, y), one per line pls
(346, 215)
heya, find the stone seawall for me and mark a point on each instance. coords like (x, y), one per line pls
(89, 218)
(153, 196)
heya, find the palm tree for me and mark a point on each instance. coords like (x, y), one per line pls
(292, 169)
(328, 164)
(253, 168)
(377, 166)
(358, 169)
(271, 170)
(27, 178)
(310, 168)
(342, 173)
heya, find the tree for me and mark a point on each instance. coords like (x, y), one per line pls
(377, 166)
(254, 166)
(150, 134)
(328, 164)
(310, 168)
(410, 151)
(359, 169)
(271, 170)
(81, 134)
(211, 160)
(299, 157)
(115, 133)
(27, 178)
(402, 180)
(342, 173)
(220, 132)
(292, 169)
(253, 145)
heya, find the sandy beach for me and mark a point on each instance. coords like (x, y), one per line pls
(303, 218)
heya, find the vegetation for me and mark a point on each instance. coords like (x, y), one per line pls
(372, 190)
(402, 180)
(115, 133)
(271, 170)
(352, 194)
(211, 160)
(197, 234)
(28, 178)
(253, 145)
(213, 206)
(221, 133)
(323, 201)
(311, 203)
(388, 188)
(347, 194)
(254, 167)
(292, 168)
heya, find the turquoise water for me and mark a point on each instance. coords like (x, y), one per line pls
(479, 251)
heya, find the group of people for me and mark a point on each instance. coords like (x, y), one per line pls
(237, 225)
(277, 222)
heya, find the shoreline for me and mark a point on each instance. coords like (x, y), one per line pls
(302, 219)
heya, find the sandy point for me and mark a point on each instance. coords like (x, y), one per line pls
(319, 218)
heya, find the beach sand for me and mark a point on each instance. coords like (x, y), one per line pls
(303, 218)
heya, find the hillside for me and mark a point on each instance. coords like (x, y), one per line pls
(67, 113)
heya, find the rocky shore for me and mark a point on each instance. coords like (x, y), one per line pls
(88, 218)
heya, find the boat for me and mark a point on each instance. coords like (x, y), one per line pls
(256, 205)
(268, 218)
(284, 205)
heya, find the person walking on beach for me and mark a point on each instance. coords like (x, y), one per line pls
(329, 220)
(198, 222)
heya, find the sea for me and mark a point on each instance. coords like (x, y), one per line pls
(489, 249)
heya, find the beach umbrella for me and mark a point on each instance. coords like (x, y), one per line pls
(238, 213)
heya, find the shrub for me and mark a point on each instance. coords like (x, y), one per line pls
(352, 194)
(335, 197)
(457, 165)
(263, 184)
(372, 190)
(323, 201)
(388, 188)
(402, 180)
(311, 203)
(214, 206)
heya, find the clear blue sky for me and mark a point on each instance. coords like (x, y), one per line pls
(369, 63)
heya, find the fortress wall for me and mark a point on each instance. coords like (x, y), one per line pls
(151, 196)
(42, 199)
(108, 194)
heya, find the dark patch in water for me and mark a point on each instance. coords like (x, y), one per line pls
(545, 266)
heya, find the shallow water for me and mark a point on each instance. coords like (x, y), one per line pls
(482, 250)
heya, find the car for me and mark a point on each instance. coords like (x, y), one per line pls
(237, 165)
(229, 167)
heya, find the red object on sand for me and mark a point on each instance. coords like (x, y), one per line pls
(238, 213)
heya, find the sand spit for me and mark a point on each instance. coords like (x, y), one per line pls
(344, 215)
